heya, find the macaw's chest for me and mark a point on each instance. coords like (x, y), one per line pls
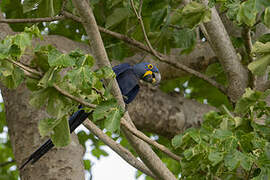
(129, 85)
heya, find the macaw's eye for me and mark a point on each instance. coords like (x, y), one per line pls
(150, 66)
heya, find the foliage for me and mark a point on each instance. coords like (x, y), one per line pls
(226, 143)
(78, 80)
(223, 144)
(6, 155)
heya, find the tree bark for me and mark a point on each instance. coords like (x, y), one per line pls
(22, 119)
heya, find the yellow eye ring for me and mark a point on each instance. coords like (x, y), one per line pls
(150, 66)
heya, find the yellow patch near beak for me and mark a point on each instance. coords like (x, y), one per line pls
(153, 80)
(147, 72)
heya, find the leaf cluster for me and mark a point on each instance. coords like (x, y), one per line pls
(71, 72)
(227, 146)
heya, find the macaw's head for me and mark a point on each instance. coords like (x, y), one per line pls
(147, 72)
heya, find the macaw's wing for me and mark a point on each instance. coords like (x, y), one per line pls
(74, 121)
(120, 68)
(128, 83)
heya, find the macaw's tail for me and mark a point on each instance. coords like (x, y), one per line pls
(74, 121)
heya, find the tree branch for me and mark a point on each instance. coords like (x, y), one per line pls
(32, 73)
(150, 141)
(139, 17)
(144, 151)
(33, 20)
(7, 163)
(120, 150)
(161, 57)
(236, 72)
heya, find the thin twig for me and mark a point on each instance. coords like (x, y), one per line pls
(33, 20)
(120, 150)
(139, 17)
(247, 40)
(7, 163)
(79, 100)
(150, 141)
(26, 68)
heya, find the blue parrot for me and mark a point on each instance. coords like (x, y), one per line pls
(127, 77)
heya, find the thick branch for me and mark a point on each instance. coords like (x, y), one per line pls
(144, 151)
(221, 44)
(120, 150)
(150, 141)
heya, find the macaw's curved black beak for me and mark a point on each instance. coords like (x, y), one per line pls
(152, 77)
(156, 77)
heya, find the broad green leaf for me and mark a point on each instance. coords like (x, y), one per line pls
(87, 164)
(55, 58)
(22, 40)
(158, 17)
(61, 133)
(259, 66)
(261, 48)
(46, 126)
(32, 84)
(98, 153)
(15, 51)
(194, 13)
(82, 59)
(117, 16)
(39, 98)
(248, 99)
(49, 78)
(266, 18)
(215, 157)
(103, 108)
(105, 72)
(112, 122)
(177, 141)
(12, 76)
(264, 38)
(247, 12)
(185, 39)
(4, 50)
(29, 5)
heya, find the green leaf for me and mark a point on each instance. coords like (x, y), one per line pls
(49, 78)
(185, 39)
(87, 164)
(12, 76)
(47, 125)
(215, 157)
(194, 13)
(261, 48)
(117, 16)
(29, 5)
(22, 40)
(264, 38)
(61, 133)
(15, 51)
(103, 108)
(266, 18)
(177, 141)
(248, 99)
(259, 66)
(158, 17)
(112, 122)
(247, 13)
(55, 58)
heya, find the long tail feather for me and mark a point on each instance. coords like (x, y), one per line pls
(74, 121)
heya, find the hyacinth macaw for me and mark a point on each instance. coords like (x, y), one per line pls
(127, 77)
